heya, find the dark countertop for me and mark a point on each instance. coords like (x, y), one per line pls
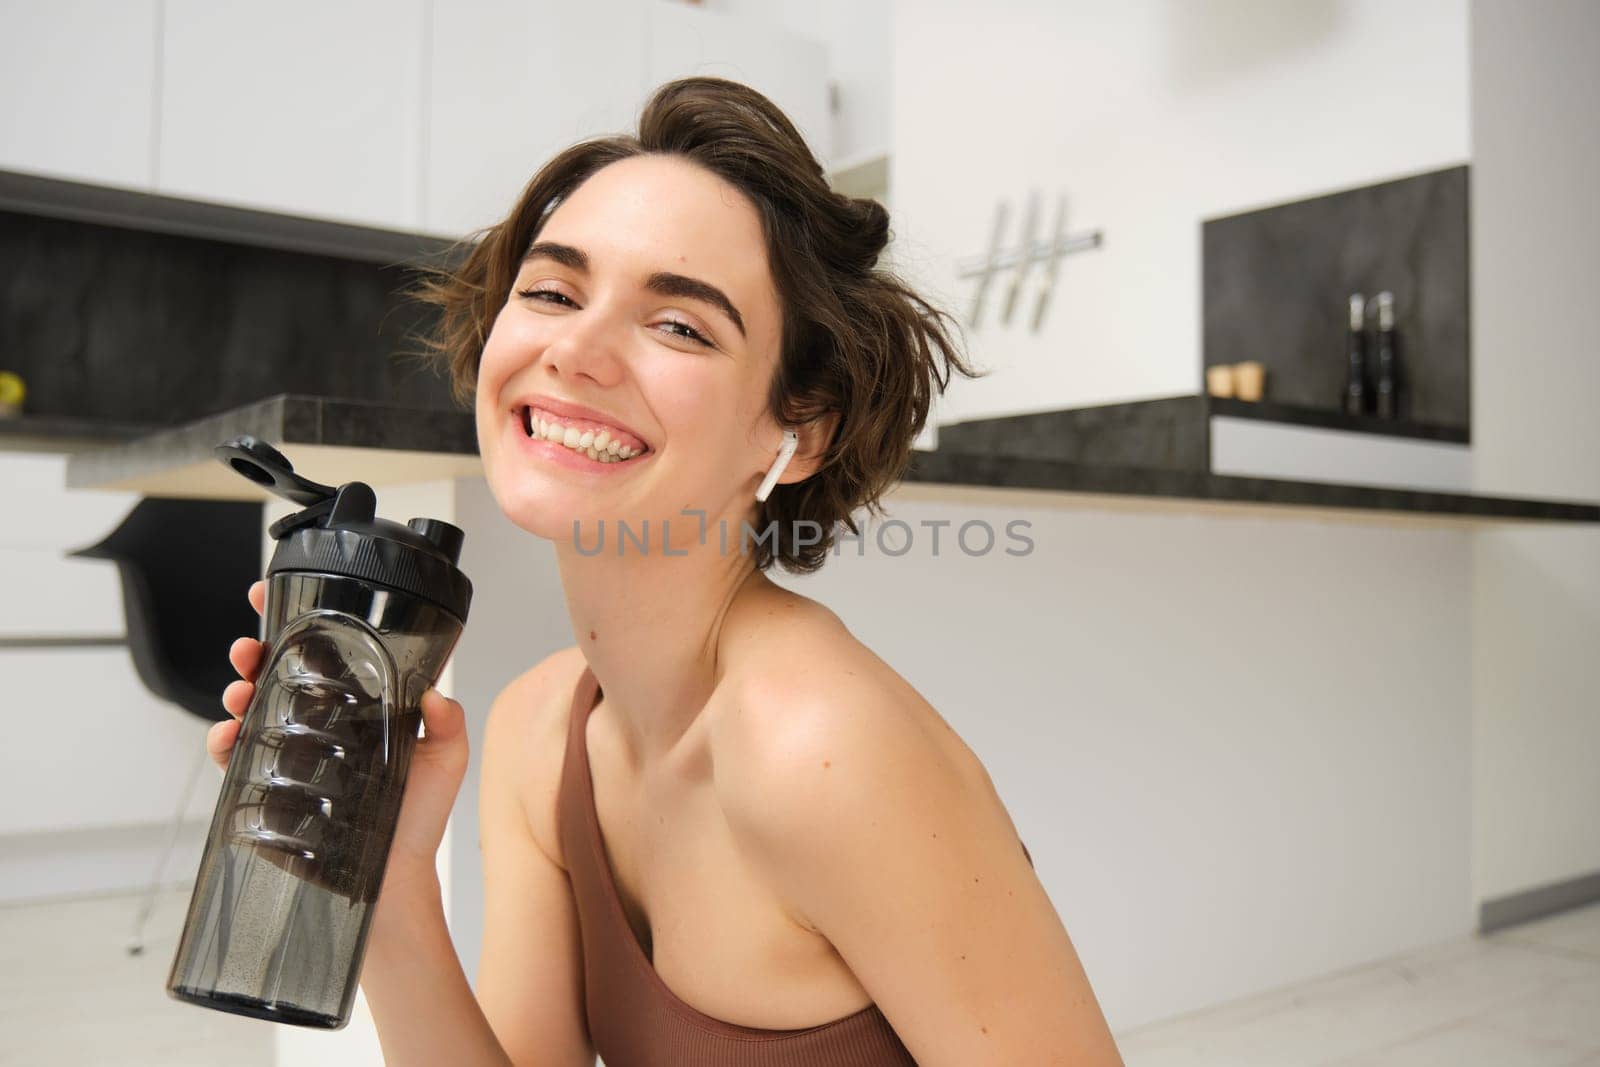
(64, 433)
(333, 440)
(1329, 419)
(1023, 472)
(1160, 449)
(1164, 433)
(327, 439)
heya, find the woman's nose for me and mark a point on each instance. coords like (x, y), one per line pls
(590, 344)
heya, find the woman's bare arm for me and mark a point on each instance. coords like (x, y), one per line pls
(530, 977)
(528, 1009)
(421, 1003)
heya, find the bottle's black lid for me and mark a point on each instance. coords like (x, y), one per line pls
(338, 532)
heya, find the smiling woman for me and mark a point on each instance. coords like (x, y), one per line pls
(718, 830)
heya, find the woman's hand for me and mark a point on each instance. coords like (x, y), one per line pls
(438, 763)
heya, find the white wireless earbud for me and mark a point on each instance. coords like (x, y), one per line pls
(791, 441)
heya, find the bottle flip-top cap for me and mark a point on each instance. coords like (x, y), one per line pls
(338, 532)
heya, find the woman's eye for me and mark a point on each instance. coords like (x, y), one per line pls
(684, 330)
(548, 296)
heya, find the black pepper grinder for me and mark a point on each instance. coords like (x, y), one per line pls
(361, 615)
(1355, 380)
(1388, 359)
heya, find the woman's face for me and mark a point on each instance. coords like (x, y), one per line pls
(645, 311)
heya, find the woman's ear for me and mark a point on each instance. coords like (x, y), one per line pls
(815, 437)
(800, 455)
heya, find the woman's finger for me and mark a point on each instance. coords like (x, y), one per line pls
(236, 698)
(220, 739)
(443, 720)
(245, 655)
(258, 597)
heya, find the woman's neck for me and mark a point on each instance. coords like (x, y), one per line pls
(650, 626)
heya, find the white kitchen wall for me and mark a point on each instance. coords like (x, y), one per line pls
(1535, 387)
(789, 68)
(1151, 115)
(858, 38)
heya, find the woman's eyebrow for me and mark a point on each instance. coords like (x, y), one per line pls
(565, 255)
(668, 284)
(664, 283)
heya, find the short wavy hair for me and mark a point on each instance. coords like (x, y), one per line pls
(856, 340)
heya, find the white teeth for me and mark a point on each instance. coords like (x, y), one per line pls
(598, 445)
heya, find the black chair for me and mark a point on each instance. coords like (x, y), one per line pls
(185, 567)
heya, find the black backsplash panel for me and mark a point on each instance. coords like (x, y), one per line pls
(105, 322)
(1277, 284)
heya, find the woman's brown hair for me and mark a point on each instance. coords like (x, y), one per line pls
(856, 340)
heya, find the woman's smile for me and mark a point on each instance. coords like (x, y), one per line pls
(574, 446)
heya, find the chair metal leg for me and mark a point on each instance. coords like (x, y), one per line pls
(147, 905)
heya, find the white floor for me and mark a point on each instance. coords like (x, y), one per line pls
(70, 995)
(1525, 997)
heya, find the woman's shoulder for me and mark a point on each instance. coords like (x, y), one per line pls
(540, 698)
(824, 757)
(803, 692)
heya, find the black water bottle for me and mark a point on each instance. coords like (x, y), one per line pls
(361, 615)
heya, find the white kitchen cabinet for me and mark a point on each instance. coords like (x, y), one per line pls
(47, 595)
(404, 115)
(93, 747)
(512, 83)
(77, 89)
(789, 68)
(305, 108)
(43, 591)
(78, 711)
